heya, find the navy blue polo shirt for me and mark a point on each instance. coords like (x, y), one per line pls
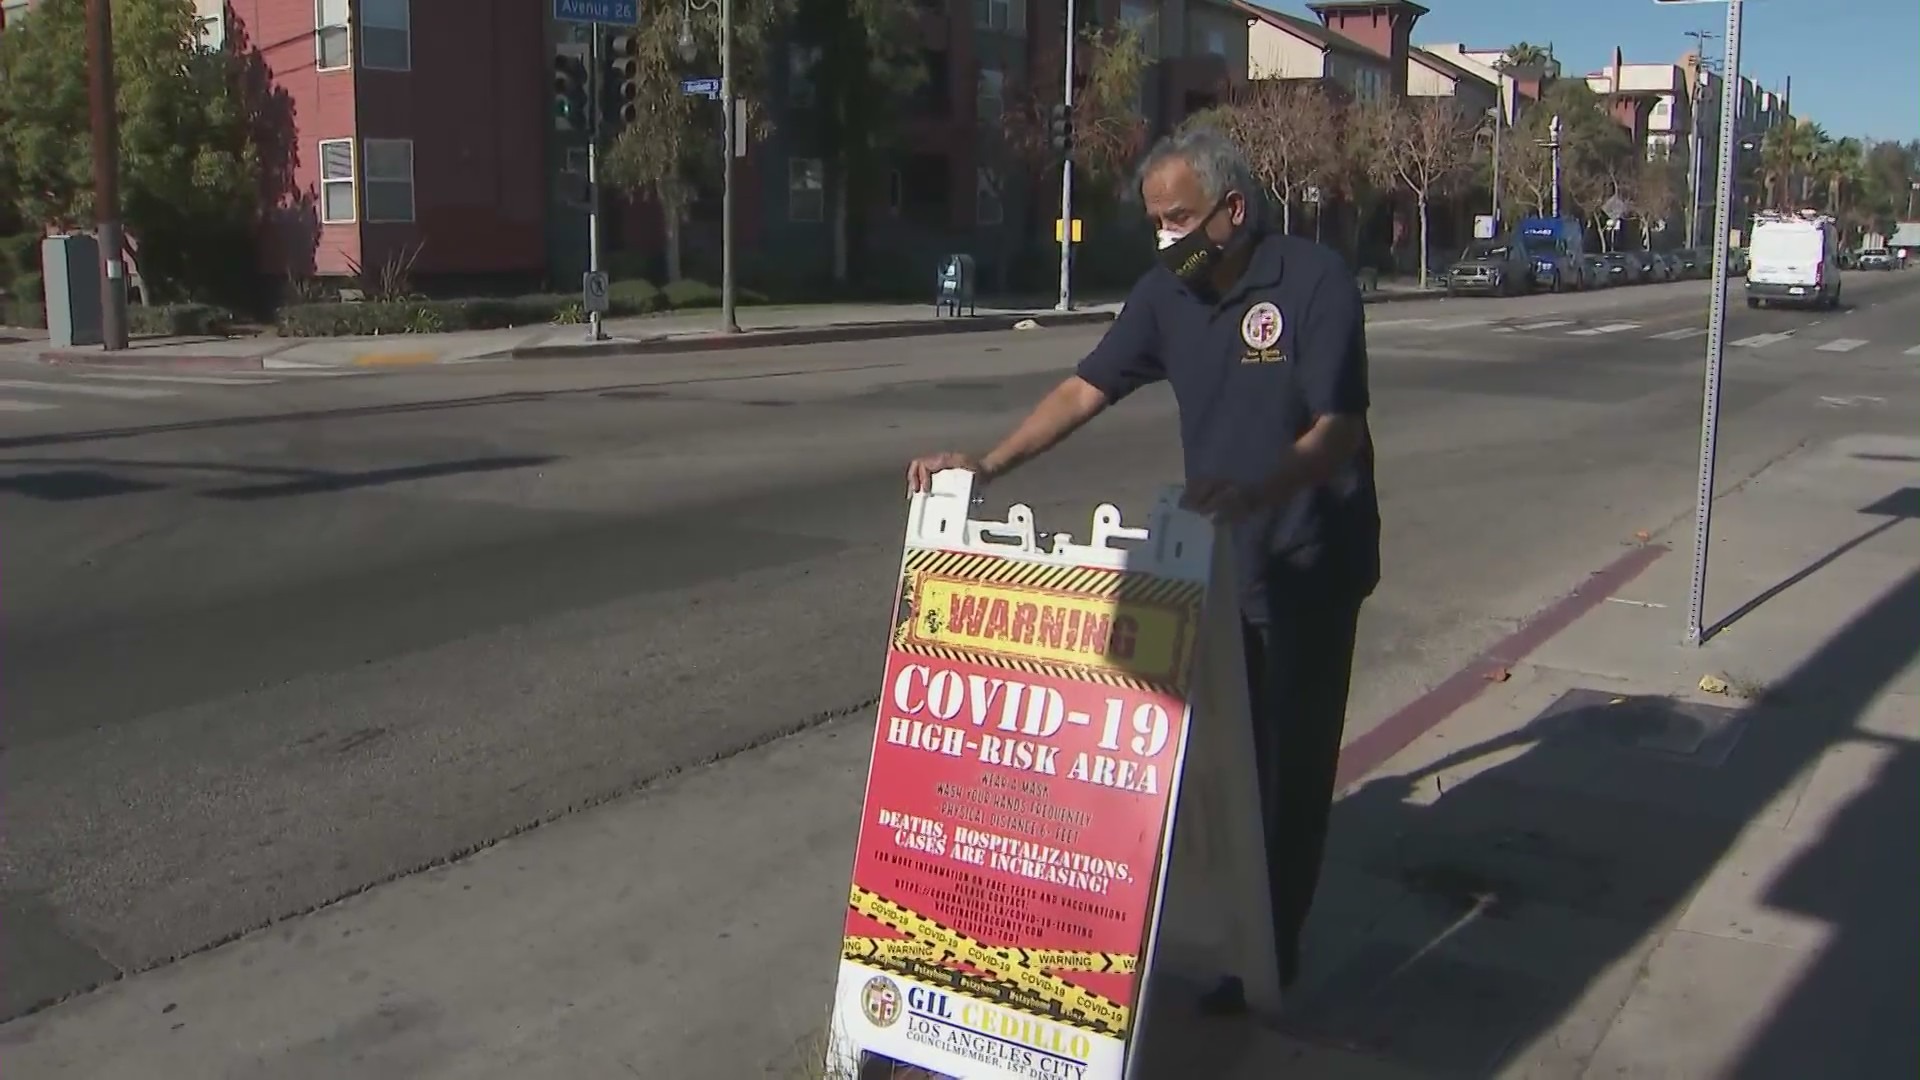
(1251, 370)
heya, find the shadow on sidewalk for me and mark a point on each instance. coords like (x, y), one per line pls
(1460, 930)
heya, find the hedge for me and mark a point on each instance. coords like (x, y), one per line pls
(165, 320)
(421, 316)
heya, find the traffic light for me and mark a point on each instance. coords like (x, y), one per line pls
(1060, 128)
(623, 76)
(570, 92)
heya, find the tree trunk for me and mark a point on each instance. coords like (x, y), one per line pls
(1286, 212)
(840, 223)
(1422, 200)
(670, 225)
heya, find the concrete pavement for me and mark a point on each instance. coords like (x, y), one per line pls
(446, 605)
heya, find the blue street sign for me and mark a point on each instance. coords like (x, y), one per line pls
(620, 12)
(709, 88)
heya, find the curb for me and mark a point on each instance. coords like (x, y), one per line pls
(806, 335)
(132, 358)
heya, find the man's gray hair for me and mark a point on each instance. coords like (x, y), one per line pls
(1214, 159)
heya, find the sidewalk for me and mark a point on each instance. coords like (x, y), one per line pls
(1592, 869)
(761, 326)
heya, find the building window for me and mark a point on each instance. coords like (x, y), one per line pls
(1005, 16)
(388, 164)
(332, 41)
(1217, 41)
(802, 91)
(987, 207)
(386, 35)
(336, 181)
(806, 189)
(990, 104)
(1139, 16)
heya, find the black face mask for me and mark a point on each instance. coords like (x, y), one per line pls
(1194, 257)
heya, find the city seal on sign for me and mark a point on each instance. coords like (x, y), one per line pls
(880, 1000)
(1260, 329)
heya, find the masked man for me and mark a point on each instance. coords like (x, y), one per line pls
(1261, 337)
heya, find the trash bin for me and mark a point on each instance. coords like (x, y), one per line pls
(954, 285)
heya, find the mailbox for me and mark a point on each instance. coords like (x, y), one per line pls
(953, 286)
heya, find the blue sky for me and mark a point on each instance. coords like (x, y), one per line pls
(1825, 45)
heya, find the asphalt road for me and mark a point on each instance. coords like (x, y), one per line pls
(271, 640)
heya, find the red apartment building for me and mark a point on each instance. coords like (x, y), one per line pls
(424, 127)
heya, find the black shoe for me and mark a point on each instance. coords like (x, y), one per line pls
(1227, 998)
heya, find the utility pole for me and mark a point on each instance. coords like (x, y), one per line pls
(1066, 174)
(1694, 95)
(106, 175)
(1499, 114)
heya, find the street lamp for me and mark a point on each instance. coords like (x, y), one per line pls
(728, 322)
(1498, 114)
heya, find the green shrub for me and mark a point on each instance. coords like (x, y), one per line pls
(27, 288)
(687, 293)
(28, 313)
(419, 316)
(179, 320)
(634, 297)
(19, 257)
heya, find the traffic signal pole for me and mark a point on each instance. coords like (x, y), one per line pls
(1066, 175)
(596, 109)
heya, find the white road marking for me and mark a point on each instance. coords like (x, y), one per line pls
(1915, 351)
(1845, 344)
(1548, 325)
(1503, 329)
(1376, 324)
(10, 405)
(124, 393)
(1679, 335)
(1760, 340)
(190, 380)
(1456, 324)
(1610, 328)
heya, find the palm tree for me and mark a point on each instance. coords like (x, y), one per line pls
(1784, 155)
(1840, 165)
(1524, 56)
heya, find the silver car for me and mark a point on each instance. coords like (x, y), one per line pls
(1875, 259)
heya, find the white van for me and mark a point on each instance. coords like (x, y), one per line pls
(1794, 260)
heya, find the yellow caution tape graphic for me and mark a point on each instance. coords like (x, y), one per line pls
(1016, 978)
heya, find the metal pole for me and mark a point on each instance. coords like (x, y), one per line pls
(728, 321)
(595, 106)
(1499, 113)
(1716, 333)
(106, 176)
(1553, 144)
(1066, 174)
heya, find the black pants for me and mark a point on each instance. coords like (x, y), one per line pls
(1298, 668)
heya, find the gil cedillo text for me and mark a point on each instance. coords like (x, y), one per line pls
(942, 711)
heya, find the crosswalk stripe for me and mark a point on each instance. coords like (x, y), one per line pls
(1610, 328)
(1680, 335)
(1845, 344)
(1547, 325)
(1503, 329)
(10, 405)
(1759, 340)
(125, 393)
(1915, 351)
(190, 380)
(1457, 324)
(1376, 324)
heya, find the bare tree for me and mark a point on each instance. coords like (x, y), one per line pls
(1108, 128)
(1290, 133)
(1428, 147)
(1526, 173)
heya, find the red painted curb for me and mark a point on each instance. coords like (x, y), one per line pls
(1371, 750)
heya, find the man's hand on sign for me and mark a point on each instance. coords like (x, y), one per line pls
(920, 471)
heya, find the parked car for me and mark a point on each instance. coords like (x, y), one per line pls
(1553, 268)
(1875, 259)
(1593, 268)
(1491, 268)
(1676, 270)
(1651, 268)
(1623, 268)
(1694, 262)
